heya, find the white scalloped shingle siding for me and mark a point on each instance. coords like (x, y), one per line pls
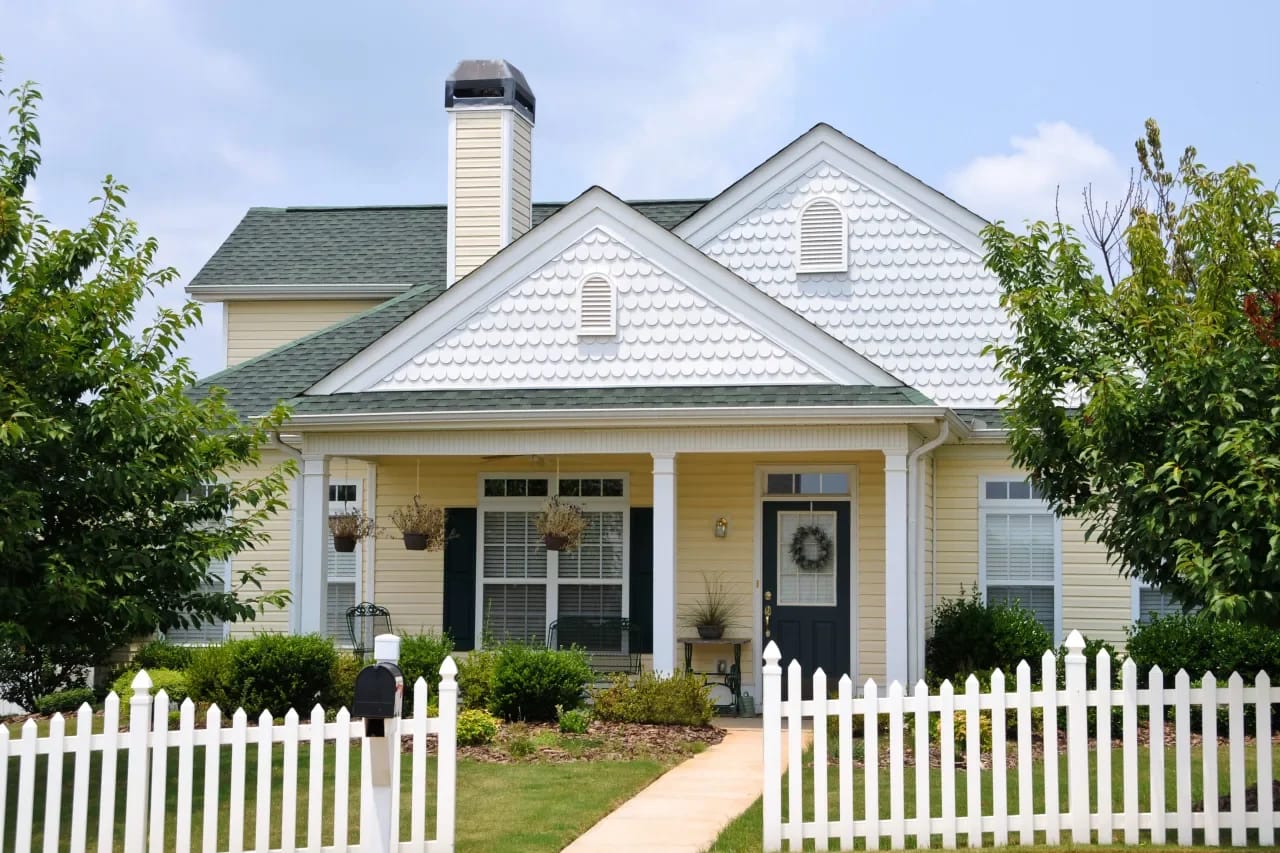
(913, 301)
(667, 334)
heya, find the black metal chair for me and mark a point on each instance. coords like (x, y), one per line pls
(364, 622)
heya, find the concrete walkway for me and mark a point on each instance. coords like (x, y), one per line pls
(685, 808)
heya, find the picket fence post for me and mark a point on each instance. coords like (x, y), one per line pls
(137, 790)
(447, 763)
(1077, 739)
(772, 673)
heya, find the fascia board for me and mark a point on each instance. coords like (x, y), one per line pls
(318, 290)
(629, 417)
(825, 143)
(599, 209)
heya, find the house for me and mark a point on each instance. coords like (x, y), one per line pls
(797, 362)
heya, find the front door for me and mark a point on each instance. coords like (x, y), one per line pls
(806, 586)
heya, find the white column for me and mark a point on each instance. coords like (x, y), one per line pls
(896, 601)
(664, 563)
(309, 599)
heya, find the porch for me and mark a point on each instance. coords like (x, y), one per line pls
(654, 537)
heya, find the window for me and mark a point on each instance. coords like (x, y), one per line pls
(597, 313)
(1149, 601)
(343, 589)
(209, 631)
(824, 240)
(1019, 549)
(816, 483)
(524, 587)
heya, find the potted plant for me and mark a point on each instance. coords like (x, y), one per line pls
(561, 525)
(349, 527)
(421, 526)
(713, 611)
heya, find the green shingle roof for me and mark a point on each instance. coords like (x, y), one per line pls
(308, 245)
(702, 396)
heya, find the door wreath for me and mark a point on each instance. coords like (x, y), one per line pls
(810, 539)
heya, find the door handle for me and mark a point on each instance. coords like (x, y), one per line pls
(768, 611)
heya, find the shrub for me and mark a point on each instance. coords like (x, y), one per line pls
(65, 701)
(475, 678)
(684, 699)
(1200, 644)
(529, 683)
(276, 672)
(209, 678)
(420, 657)
(476, 727)
(971, 636)
(1091, 649)
(342, 686)
(161, 654)
(573, 722)
(172, 682)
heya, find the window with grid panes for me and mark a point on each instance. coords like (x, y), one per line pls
(524, 587)
(1020, 549)
(342, 590)
(210, 630)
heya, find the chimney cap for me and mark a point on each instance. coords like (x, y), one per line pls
(489, 82)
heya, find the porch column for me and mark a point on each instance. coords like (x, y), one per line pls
(664, 563)
(309, 598)
(897, 620)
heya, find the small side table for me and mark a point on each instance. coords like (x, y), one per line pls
(731, 679)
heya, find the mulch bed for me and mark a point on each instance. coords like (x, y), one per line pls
(542, 742)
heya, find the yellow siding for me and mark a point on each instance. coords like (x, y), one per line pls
(1095, 600)
(256, 326)
(477, 188)
(521, 176)
(273, 555)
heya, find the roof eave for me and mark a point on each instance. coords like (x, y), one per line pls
(323, 290)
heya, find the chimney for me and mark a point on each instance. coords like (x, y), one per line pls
(490, 108)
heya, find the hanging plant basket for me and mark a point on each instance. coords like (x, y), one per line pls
(349, 527)
(555, 542)
(561, 525)
(344, 544)
(421, 526)
(415, 541)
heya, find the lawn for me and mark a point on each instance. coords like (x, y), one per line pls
(744, 834)
(520, 806)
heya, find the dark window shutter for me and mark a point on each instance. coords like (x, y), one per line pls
(460, 576)
(642, 575)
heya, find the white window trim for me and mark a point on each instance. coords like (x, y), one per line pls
(532, 504)
(611, 330)
(843, 264)
(1029, 505)
(344, 642)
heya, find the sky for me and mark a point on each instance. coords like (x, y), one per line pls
(207, 109)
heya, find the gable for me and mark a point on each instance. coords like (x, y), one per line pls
(682, 317)
(913, 296)
(666, 333)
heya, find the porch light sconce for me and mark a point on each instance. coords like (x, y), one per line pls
(722, 527)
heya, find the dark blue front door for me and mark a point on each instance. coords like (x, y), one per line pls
(806, 586)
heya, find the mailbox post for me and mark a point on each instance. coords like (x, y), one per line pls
(378, 701)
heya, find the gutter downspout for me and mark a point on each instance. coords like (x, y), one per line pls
(915, 504)
(295, 525)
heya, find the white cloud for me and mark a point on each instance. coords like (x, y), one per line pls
(1052, 166)
(674, 137)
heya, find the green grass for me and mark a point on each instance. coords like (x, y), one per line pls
(518, 807)
(744, 833)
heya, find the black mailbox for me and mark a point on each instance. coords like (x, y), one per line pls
(379, 696)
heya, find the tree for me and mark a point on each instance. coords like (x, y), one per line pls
(1148, 404)
(117, 491)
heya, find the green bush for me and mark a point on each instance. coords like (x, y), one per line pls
(65, 701)
(161, 654)
(971, 636)
(573, 722)
(420, 657)
(476, 727)
(342, 684)
(475, 678)
(1091, 649)
(684, 699)
(1199, 643)
(528, 683)
(172, 682)
(209, 678)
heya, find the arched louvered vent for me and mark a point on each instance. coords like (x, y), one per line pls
(597, 312)
(824, 242)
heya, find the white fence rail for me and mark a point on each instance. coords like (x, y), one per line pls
(932, 725)
(151, 770)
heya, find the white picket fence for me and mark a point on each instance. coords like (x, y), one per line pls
(158, 798)
(1088, 815)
